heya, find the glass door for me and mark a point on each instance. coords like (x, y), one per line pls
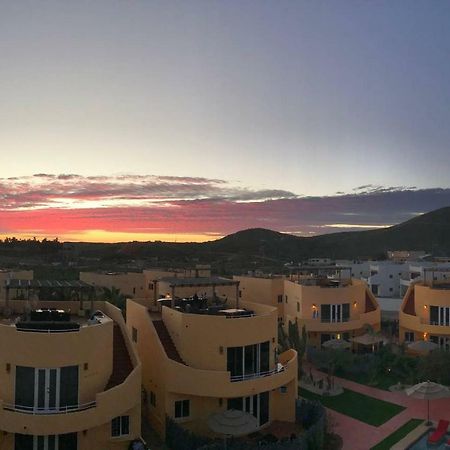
(44, 390)
(47, 387)
(50, 442)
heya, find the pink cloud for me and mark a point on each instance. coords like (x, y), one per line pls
(62, 204)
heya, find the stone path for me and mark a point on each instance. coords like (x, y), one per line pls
(358, 435)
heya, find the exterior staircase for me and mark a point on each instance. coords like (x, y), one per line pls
(166, 341)
(122, 365)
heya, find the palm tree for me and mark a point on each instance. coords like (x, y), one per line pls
(115, 297)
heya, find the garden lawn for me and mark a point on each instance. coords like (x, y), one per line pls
(397, 435)
(359, 406)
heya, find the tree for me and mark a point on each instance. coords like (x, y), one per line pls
(115, 297)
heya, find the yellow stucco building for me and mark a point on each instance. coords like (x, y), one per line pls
(330, 305)
(146, 284)
(425, 310)
(67, 381)
(198, 362)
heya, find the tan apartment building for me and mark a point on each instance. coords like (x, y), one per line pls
(69, 380)
(264, 289)
(425, 310)
(212, 359)
(330, 304)
(143, 284)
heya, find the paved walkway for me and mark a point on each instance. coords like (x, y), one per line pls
(358, 435)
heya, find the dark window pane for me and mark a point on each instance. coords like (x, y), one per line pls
(434, 315)
(263, 408)
(346, 312)
(69, 386)
(325, 313)
(115, 426)
(68, 441)
(52, 389)
(24, 386)
(186, 407)
(178, 409)
(234, 361)
(125, 425)
(265, 356)
(23, 442)
(250, 359)
(235, 403)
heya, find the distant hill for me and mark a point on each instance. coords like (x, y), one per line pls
(429, 232)
(252, 249)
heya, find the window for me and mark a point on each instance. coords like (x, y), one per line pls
(280, 298)
(286, 300)
(134, 290)
(152, 398)
(120, 426)
(335, 313)
(150, 286)
(409, 336)
(390, 289)
(182, 408)
(390, 275)
(134, 334)
(240, 293)
(440, 315)
(298, 307)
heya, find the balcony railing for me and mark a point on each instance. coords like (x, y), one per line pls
(327, 320)
(47, 411)
(251, 376)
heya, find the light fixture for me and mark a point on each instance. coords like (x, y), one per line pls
(355, 304)
(425, 306)
(314, 306)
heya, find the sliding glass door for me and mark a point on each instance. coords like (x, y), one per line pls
(249, 361)
(256, 405)
(47, 389)
(51, 442)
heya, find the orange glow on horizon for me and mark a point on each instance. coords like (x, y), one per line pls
(112, 236)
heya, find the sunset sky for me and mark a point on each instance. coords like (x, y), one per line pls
(175, 120)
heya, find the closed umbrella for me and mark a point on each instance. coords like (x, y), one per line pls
(428, 391)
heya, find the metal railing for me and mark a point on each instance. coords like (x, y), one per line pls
(48, 411)
(251, 376)
(46, 330)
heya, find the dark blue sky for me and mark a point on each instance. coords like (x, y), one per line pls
(313, 96)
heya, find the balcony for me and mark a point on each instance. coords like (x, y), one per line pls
(317, 325)
(187, 380)
(422, 325)
(252, 376)
(107, 404)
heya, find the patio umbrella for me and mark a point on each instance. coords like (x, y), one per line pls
(428, 391)
(337, 344)
(423, 346)
(233, 423)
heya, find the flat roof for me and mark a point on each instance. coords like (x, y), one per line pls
(318, 267)
(198, 282)
(36, 284)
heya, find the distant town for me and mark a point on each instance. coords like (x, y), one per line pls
(186, 358)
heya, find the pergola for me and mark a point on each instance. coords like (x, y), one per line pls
(208, 282)
(320, 270)
(31, 286)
